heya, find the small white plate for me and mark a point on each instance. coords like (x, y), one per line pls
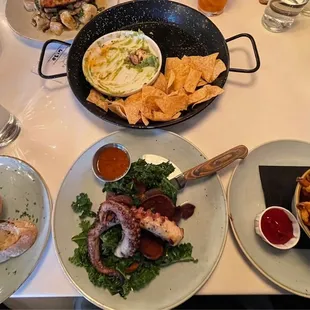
(206, 229)
(288, 269)
(23, 191)
(20, 22)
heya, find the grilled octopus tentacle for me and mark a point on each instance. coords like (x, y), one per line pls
(130, 226)
(110, 214)
(159, 225)
(93, 243)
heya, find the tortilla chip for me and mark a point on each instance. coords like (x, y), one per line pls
(192, 80)
(145, 120)
(117, 107)
(98, 99)
(132, 107)
(181, 73)
(205, 93)
(150, 91)
(149, 106)
(171, 105)
(186, 60)
(201, 83)
(218, 69)
(161, 83)
(159, 116)
(170, 79)
(204, 64)
(171, 63)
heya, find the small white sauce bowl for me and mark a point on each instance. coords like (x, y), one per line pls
(296, 229)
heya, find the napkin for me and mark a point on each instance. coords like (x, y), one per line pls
(279, 183)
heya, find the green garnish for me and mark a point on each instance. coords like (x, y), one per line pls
(181, 253)
(110, 240)
(152, 176)
(150, 61)
(83, 205)
(146, 272)
(25, 214)
(81, 13)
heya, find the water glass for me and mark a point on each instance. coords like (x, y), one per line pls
(9, 127)
(306, 10)
(280, 15)
(211, 7)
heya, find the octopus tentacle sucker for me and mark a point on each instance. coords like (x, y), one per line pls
(93, 243)
(130, 226)
(112, 213)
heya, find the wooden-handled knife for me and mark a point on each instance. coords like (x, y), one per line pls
(210, 166)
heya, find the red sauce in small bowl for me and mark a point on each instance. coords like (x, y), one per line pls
(277, 226)
(112, 163)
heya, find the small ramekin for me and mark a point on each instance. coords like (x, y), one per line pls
(95, 159)
(296, 229)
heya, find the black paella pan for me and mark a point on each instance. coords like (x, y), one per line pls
(177, 29)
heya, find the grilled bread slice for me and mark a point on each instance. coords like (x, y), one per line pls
(16, 237)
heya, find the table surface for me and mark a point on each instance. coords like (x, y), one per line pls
(255, 108)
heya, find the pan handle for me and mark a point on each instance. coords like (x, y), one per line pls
(46, 44)
(246, 35)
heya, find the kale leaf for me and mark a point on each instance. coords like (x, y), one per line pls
(81, 238)
(83, 205)
(177, 254)
(145, 274)
(152, 176)
(110, 239)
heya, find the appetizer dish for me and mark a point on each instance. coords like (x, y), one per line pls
(56, 16)
(186, 83)
(136, 230)
(302, 201)
(120, 63)
(278, 227)
(16, 237)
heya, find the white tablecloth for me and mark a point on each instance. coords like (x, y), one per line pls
(271, 104)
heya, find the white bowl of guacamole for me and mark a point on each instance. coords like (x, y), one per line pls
(120, 63)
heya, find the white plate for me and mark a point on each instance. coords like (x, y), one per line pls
(206, 230)
(288, 269)
(23, 190)
(20, 22)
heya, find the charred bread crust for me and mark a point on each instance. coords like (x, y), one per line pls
(23, 235)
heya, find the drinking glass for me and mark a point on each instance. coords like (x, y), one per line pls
(306, 10)
(211, 7)
(9, 127)
(280, 15)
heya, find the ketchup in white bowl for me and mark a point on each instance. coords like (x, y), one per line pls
(278, 227)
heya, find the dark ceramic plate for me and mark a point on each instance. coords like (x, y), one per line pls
(177, 29)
